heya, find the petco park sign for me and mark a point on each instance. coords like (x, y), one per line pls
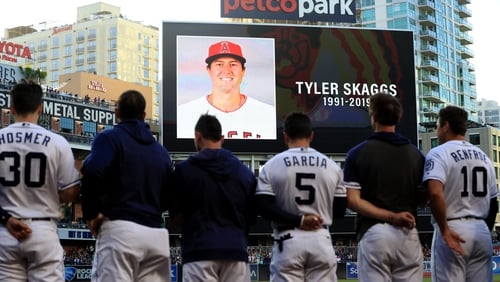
(301, 10)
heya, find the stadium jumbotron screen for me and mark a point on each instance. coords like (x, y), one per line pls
(328, 73)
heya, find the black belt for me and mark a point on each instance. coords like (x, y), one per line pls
(465, 217)
(282, 228)
(37, 219)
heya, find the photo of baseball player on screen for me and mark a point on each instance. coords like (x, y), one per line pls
(231, 78)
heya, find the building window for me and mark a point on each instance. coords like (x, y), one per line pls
(67, 62)
(475, 139)
(112, 44)
(112, 31)
(494, 140)
(495, 156)
(67, 124)
(67, 51)
(55, 75)
(68, 39)
(55, 64)
(55, 41)
(80, 36)
(92, 33)
(368, 15)
(112, 55)
(434, 142)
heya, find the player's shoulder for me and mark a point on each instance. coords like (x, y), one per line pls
(257, 103)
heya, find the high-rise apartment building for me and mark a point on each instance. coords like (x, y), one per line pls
(445, 75)
(102, 42)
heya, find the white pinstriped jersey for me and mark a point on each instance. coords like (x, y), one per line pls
(303, 180)
(468, 177)
(34, 165)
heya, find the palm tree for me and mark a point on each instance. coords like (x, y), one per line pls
(30, 74)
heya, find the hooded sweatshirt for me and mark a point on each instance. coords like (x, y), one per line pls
(125, 175)
(389, 170)
(214, 196)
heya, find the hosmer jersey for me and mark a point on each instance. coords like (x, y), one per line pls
(303, 181)
(253, 120)
(467, 175)
(35, 164)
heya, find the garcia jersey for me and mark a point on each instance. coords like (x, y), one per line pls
(253, 120)
(35, 164)
(468, 178)
(303, 180)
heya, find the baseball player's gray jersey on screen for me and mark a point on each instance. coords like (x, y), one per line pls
(35, 164)
(303, 181)
(469, 183)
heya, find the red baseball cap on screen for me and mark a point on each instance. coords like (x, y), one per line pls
(224, 49)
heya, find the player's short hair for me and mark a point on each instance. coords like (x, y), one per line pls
(26, 97)
(298, 125)
(385, 109)
(456, 118)
(209, 127)
(131, 105)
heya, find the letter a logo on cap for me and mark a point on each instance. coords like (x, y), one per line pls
(225, 48)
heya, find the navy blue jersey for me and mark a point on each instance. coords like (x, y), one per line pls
(125, 175)
(388, 170)
(213, 194)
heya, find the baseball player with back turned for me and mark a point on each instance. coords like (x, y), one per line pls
(301, 191)
(37, 172)
(383, 175)
(463, 196)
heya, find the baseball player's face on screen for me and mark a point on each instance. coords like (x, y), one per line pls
(226, 74)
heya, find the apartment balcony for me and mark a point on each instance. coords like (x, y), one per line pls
(427, 20)
(469, 78)
(42, 57)
(92, 36)
(464, 12)
(466, 53)
(91, 60)
(428, 50)
(79, 62)
(432, 96)
(80, 38)
(91, 48)
(464, 25)
(430, 79)
(464, 2)
(428, 34)
(465, 39)
(426, 5)
(429, 65)
(42, 47)
(466, 65)
(431, 111)
(80, 50)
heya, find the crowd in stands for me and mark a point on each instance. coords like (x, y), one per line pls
(96, 101)
(79, 255)
(82, 255)
(346, 250)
